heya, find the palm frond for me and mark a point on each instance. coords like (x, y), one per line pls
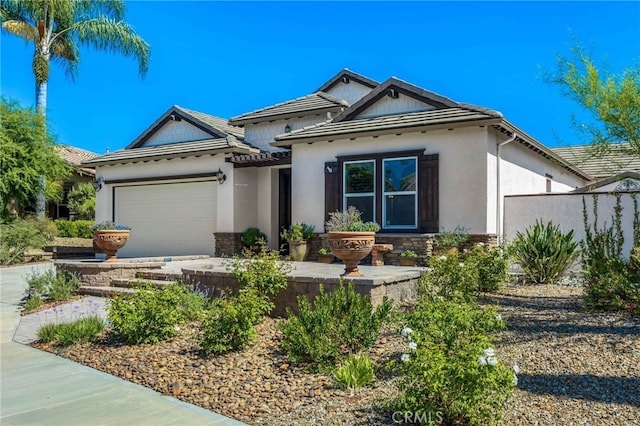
(114, 9)
(65, 52)
(13, 10)
(21, 29)
(104, 33)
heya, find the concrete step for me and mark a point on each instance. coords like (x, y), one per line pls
(136, 282)
(159, 275)
(104, 291)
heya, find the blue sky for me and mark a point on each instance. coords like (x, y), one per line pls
(228, 58)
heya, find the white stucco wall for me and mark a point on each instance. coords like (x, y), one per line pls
(267, 204)
(402, 105)
(462, 165)
(351, 92)
(566, 211)
(245, 188)
(262, 134)
(176, 131)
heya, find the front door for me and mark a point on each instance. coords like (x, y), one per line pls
(284, 206)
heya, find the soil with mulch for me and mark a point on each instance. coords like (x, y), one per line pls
(576, 368)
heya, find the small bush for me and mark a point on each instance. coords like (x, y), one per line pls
(545, 252)
(449, 367)
(336, 324)
(51, 284)
(355, 372)
(492, 265)
(21, 235)
(229, 324)
(74, 228)
(451, 239)
(82, 200)
(33, 302)
(151, 315)
(82, 330)
(450, 278)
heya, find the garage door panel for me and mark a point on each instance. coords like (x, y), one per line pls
(168, 219)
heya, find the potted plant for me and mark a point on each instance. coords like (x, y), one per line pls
(449, 242)
(350, 239)
(325, 256)
(110, 237)
(297, 236)
(253, 239)
(408, 258)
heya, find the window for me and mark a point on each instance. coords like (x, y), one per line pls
(400, 193)
(359, 187)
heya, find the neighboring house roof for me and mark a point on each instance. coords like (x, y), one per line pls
(318, 102)
(75, 156)
(345, 76)
(629, 181)
(217, 127)
(229, 144)
(601, 163)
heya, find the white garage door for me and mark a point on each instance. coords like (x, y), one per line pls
(167, 219)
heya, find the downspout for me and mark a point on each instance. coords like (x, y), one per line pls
(498, 185)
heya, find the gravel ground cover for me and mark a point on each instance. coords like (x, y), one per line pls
(576, 368)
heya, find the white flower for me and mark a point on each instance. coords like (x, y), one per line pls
(499, 317)
(465, 251)
(516, 369)
(176, 328)
(482, 361)
(442, 258)
(404, 357)
(489, 352)
(515, 380)
(413, 346)
(480, 244)
(492, 361)
(405, 332)
(461, 264)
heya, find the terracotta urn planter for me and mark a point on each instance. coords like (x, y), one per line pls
(408, 261)
(110, 241)
(298, 250)
(351, 247)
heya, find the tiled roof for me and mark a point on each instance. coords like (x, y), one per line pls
(175, 150)
(457, 116)
(315, 102)
(348, 75)
(75, 156)
(217, 127)
(261, 159)
(601, 163)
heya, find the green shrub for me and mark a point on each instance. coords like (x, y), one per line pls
(82, 330)
(349, 220)
(336, 324)
(355, 372)
(253, 237)
(450, 278)
(33, 302)
(492, 265)
(20, 235)
(52, 284)
(230, 322)
(151, 315)
(450, 367)
(74, 228)
(82, 201)
(451, 239)
(544, 252)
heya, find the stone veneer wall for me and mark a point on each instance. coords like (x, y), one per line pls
(99, 274)
(216, 283)
(227, 243)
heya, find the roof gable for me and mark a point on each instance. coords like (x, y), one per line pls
(395, 96)
(179, 125)
(346, 76)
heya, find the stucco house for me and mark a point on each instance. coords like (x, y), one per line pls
(412, 160)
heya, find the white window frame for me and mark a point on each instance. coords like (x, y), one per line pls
(345, 195)
(414, 193)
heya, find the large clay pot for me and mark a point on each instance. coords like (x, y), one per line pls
(298, 250)
(110, 241)
(351, 247)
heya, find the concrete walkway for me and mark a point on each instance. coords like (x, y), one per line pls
(40, 388)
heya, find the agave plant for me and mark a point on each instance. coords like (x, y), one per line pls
(545, 252)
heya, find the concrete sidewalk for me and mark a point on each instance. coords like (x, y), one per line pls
(37, 387)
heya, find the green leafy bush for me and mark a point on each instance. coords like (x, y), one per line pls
(253, 237)
(545, 252)
(451, 239)
(151, 315)
(74, 228)
(82, 330)
(299, 232)
(336, 324)
(82, 200)
(349, 221)
(450, 278)
(51, 284)
(492, 264)
(355, 372)
(450, 367)
(20, 235)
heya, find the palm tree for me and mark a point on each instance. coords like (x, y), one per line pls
(58, 27)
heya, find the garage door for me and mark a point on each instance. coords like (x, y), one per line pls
(167, 219)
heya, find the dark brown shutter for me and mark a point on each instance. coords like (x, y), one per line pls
(428, 205)
(332, 188)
